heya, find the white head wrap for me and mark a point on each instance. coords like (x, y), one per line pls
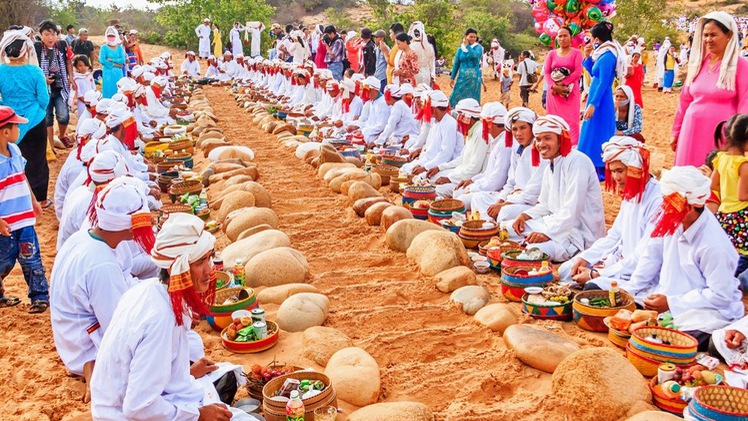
(404, 89)
(549, 124)
(331, 85)
(92, 97)
(632, 105)
(420, 89)
(372, 82)
(469, 107)
(148, 76)
(112, 31)
(92, 126)
(348, 85)
(421, 28)
(359, 77)
(520, 114)
(94, 147)
(494, 111)
(103, 106)
(106, 166)
(438, 99)
(27, 50)
(624, 149)
(350, 35)
(117, 203)
(325, 74)
(119, 97)
(118, 113)
(687, 181)
(728, 70)
(160, 81)
(126, 84)
(181, 241)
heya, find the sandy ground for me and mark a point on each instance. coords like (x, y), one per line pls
(427, 350)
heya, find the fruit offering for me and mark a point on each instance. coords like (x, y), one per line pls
(264, 373)
(241, 330)
(696, 375)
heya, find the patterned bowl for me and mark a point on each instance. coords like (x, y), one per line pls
(557, 311)
(254, 346)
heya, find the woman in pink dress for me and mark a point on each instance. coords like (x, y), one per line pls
(716, 88)
(563, 70)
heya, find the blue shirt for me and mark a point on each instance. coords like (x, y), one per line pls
(381, 72)
(25, 90)
(15, 195)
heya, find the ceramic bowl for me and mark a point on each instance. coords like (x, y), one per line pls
(482, 267)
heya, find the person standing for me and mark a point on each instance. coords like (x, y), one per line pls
(112, 59)
(235, 39)
(24, 88)
(605, 60)
(395, 29)
(134, 47)
(406, 61)
(82, 45)
(70, 34)
(382, 51)
(217, 43)
(369, 64)
(203, 35)
(527, 69)
(321, 48)
(335, 52)
(565, 96)
(635, 77)
(54, 61)
(466, 77)
(716, 88)
(671, 67)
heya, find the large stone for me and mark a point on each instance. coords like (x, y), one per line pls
(337, 182)
(361, 205)
(496, 317)
(437, 251)
(249, 247)
(355, 375)
(249, 219)
(372, 179)
(252, 231)
(654, 416)
(394, 214)
(279, 294)
(338, 171)
(304, 148)
(471, 298)
(328, 153)
(320, 343)
(262, 197)
(401, 233)
(360, 190)
(328, 166)
(454, 278)
(237, 200)
(224, 152)
(393, 411)
(277, 266)
(601, 379)
(538, 347)
(374, 213)
(301, 311)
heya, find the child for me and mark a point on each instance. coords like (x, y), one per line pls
(506, 87)
(212, 72)
(85, 82)
(730, 184)
(18, 212)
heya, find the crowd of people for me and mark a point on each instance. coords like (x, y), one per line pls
(123, 297)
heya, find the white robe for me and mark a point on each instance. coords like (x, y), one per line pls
(400, 122)
(212, 72)
(354, 111)
(695, 270)
(376, 120)
(204, 42)
(254, 45)
(418, 142)
(68, 173)
(621, 246)
(236, 40)
(443, 144)
(486, 185)
(86, 284)
(426, 61)
(74, 214)
(192, 68)
(470, 163)
(569, 210)
(155, 110)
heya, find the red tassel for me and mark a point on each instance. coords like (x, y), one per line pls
(508, 138)
(131, 133)
(387, 95)
(610, 184)
(674, 211)
(81, 142)
(130, 99)
(535, 155)
(408, 101)
(565, 143)
(142, 231)
(156, 91)
(357, 91)
(486, 129)
(93, 219)
(365, 94)
(427, 111)
(191, 299)
(346, 105)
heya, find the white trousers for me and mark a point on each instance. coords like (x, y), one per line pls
(558, 251)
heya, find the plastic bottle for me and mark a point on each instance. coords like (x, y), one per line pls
(613, 294)
(239, 273)
(295, 408)
(544, 268)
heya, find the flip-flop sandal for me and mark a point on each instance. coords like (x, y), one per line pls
(46, 204)
(39, 306)
(9, 302)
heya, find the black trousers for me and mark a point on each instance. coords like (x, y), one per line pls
(33, 147)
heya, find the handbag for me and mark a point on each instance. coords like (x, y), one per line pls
(532, 78)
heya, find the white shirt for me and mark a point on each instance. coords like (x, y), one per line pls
(525, 67)
(523, 182)
(85, 287)
(354, 111)
(203, 32)
(418, 142)
(376, 121)
(696, 270)
(74, 213)
(621, 247)
(68, 173)
(570, 203)
(254, 45)
(443, 144)
(494, 176)
(401, 122)
(143, 367)
(472, 159)
(192, 68)
(212, 72)
(155, 110)
(426, 60)
(236, 40)
(323, 107)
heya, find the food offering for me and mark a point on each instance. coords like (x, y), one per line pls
(552, 302)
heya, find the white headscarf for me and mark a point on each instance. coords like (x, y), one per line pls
(421, 28)
(687, 181)
(438, 99)
(549, 124)
(729, 68)
(625, 149)
(95, 147)
(519, 114)
(614, 47)
(27, 50)
(632, 105)
(112, 31)
(118, 114)
(93, 127)
(494, 111)
(469, 107)
(92, 97)
(106, 166)
(118, 203)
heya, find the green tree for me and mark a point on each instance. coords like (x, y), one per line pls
(643, 18)
(181, 17)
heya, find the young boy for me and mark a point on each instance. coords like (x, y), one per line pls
(506, 87)
(18, 212)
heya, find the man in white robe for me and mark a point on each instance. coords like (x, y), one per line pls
(484, 186)
(123, 132)
(444, 142)
(255, 29)
(569, 216)
(689, 263)
(401, 121)
(414, 144)
(88, 279)
(190, 66)
(235, 39)
(472, 160)
(155, 110)
(203, 34)
(378, 113)
(614, 256)
(143, 366)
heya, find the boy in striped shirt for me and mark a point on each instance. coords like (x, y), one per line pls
(18, 212)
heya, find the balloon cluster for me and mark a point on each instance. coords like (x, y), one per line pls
(578, 15)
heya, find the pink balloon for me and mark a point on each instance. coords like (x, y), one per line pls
(551, 27)
(539, 27)
(578, 40)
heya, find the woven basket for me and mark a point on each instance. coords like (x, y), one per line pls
(447, 206)
(495, 253)
(170, 208)
(719, 403)
(646, 366)
(558, 311)
(519, 275)
(394, 160)
(682, 348)
(166, 166)
(509, 259)
(183, 158)
(515, 292)
(225, 279)
(151, 148)
(386, 172)
(673, 406)
(617, 337)
(592, 318)
(185, 187)
(219, 315)
(255, 346)
(254, 388)
(180, 145)
(276, 411)
(164, 180)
